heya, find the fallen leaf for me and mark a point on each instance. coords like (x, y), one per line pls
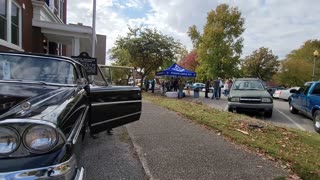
(294, 177)
(259, 166)
(243, 132)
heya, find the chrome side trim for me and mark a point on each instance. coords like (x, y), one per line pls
(65, 170)
(117, 102)
(105, 121)
(34, 121)
(80, 174)
(76, 131)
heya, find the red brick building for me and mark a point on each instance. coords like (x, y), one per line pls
(39, 26)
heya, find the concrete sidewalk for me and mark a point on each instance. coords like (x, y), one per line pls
(171, 147)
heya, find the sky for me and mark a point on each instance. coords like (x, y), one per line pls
(280, 25)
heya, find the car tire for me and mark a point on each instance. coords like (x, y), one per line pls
(316, 121)
(292, 109)
(268, 114)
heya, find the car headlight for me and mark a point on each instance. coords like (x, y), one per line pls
(40, 138)
(235, 99)
(9, 140)
(266, 100)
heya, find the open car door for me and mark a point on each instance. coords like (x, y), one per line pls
(113, 105)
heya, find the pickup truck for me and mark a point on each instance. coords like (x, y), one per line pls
(306, 100)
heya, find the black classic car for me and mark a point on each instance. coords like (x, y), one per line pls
(47, 107)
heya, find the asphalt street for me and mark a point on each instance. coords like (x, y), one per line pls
(171, 147)
(111, 157)
(281, 114)
(162, 145)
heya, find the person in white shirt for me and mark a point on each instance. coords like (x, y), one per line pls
(226, 88)
(220, 85)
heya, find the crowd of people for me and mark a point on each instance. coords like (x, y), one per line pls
(217, 86)
(174, 84)
(178, 85)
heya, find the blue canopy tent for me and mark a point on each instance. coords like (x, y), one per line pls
(176, 71)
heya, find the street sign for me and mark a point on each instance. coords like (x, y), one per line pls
(89, 63)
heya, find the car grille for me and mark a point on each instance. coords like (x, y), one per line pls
(251, 100)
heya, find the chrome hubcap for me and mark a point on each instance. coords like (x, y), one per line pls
(317, 123)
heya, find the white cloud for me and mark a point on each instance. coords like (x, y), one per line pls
(279, 25)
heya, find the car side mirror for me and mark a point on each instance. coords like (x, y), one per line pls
(82, 82)
(294, 91)
(269, 90)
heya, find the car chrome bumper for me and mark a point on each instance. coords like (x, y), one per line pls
(66, 170)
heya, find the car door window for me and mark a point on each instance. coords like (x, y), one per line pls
(98, 79)
(316, 90)
(306, 90)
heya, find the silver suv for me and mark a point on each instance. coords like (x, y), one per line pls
(249, 94)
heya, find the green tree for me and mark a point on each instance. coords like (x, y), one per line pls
(294, 72)
(220, 46)
(261, 63)
(194, 35)
(147, 50)
(296, 69)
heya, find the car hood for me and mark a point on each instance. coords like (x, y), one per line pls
(33, 101)
(249, 93)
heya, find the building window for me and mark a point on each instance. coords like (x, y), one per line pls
(15, 19)
(61, 9)
(3, 19)
(10, 23)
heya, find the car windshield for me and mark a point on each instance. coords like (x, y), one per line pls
(36, 69)
(247, 85)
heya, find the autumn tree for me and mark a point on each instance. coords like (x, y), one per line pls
(145, 49)
(296, 69)
(262, 63)
(220, 46)
(189, 61)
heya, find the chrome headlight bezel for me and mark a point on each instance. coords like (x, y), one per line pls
(39, 151)
(16, 133)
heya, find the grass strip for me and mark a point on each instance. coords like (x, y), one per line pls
(297, 150)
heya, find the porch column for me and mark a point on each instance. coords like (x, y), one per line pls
(75, 47)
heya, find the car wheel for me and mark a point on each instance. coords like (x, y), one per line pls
(268, 114)
(292, 109)
(316, 121)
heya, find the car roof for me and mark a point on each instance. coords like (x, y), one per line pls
(40, 55)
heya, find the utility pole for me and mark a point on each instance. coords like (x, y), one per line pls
(315, 55)
(93, 39)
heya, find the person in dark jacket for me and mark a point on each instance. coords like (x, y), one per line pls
(152, 85)
(216, 87)
(207, 88)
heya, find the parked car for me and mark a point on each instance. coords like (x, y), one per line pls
(306, 100)
(272, 90)
(188, 85)
(249, 94)
(47, 107)
(285, 93)
(199, 86)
